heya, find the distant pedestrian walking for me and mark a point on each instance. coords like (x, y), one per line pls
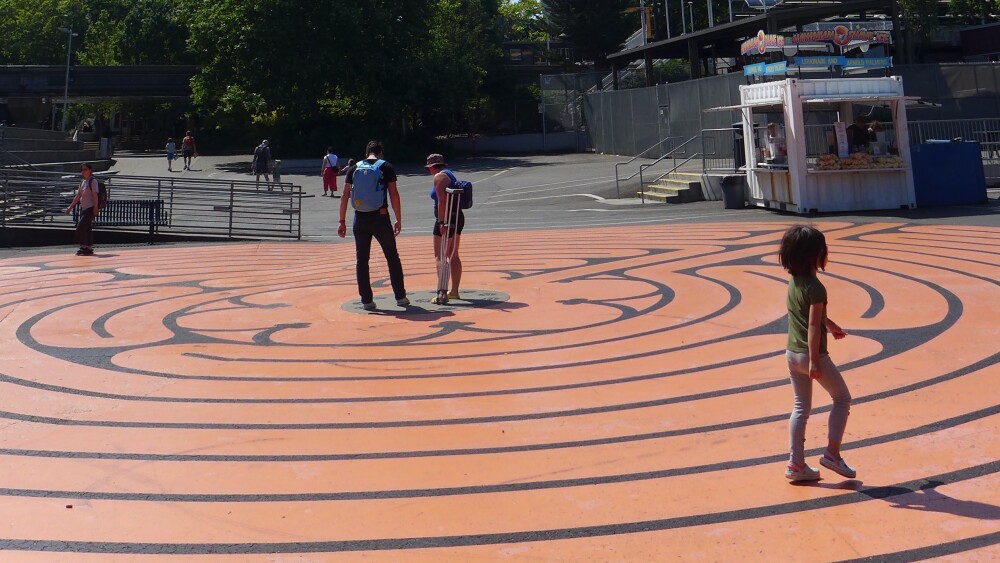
(803, 252)
(189, 149)
(87, 197)
(370, 187)
(171, 153)
(261, 164)
(329, 171)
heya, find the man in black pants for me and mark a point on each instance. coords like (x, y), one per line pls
(368, 224)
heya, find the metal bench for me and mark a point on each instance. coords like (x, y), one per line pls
(131, 213)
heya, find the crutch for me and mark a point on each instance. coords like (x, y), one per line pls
(444, 256)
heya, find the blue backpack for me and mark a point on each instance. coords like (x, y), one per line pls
(466, 186)
(367, 191)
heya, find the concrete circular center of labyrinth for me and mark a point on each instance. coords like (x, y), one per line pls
(420, 302)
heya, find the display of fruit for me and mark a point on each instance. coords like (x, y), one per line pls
(892, 161)
(857, 161)
(827, 162)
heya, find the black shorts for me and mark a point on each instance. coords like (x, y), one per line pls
(455, 228)
(188, 153)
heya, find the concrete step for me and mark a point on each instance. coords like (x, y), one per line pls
(37, 156)
(41, 144)
(26, 133)
(675, 190)
(70, 167)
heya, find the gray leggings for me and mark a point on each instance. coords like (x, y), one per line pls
(833, 382)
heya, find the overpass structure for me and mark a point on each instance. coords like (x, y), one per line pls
(723, 40)
(97, 83)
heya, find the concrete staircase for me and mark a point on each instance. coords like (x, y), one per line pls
(47, 150)
(676, 187)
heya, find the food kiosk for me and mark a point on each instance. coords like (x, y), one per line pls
(801, 167)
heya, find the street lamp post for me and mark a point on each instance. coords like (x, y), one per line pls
(691, 13)
(666, 10)
(69, 54)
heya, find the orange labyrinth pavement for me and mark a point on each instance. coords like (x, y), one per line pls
(605, 394)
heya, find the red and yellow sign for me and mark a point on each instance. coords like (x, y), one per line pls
(842, 36)
(760, 43)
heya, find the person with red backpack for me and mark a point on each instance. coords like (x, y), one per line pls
(188, 150)
(88, 197)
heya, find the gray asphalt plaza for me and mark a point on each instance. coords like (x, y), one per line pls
(526, 193)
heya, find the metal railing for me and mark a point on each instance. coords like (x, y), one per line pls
(672, 155)
(231, 208)
(634, 158)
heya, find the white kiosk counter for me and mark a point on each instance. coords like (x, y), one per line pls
(810, 177)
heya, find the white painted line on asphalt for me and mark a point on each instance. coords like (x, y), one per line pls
(533, 225)
(592, 196)
(578, 182)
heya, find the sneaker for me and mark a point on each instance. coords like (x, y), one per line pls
(404, 302)
(453, 295)
(838, 466)
(369, 306)
(439, 300)
(81, 252)
(805, 473)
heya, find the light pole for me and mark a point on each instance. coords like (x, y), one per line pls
(69, 53)
(684, 25)
(666, 10)
(691, 13)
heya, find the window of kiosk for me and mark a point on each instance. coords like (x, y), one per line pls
(869, 143)
(770, 146)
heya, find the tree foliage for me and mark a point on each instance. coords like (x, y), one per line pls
(521, 21)
(595, 28)
(972, 12)
(324, 70)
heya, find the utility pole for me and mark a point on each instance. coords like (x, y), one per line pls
(69, 54)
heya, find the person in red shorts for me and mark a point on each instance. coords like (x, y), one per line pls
(329, 171)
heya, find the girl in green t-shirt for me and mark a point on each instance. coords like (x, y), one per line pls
(803, 252)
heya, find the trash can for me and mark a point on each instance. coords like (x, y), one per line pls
(948, 173)
(732, 192)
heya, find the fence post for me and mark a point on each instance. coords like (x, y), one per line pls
(232, 199)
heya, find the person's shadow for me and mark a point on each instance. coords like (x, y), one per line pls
(928, 499)
(925, 498)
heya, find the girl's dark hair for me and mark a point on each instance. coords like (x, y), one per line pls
(87, 166)
(802, 249)
(374, 147)
(329, 150)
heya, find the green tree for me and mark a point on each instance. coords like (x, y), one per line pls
(156, 34)
(920, 19)
(30, 30)
(973, 12)
(596, 28)
(521, 21)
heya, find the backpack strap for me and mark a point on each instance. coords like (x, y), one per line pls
(451, 176)
(378, 164)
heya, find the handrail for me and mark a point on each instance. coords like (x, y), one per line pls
(233, 209)
(631, 160)
(642, 190)
(642, 187)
